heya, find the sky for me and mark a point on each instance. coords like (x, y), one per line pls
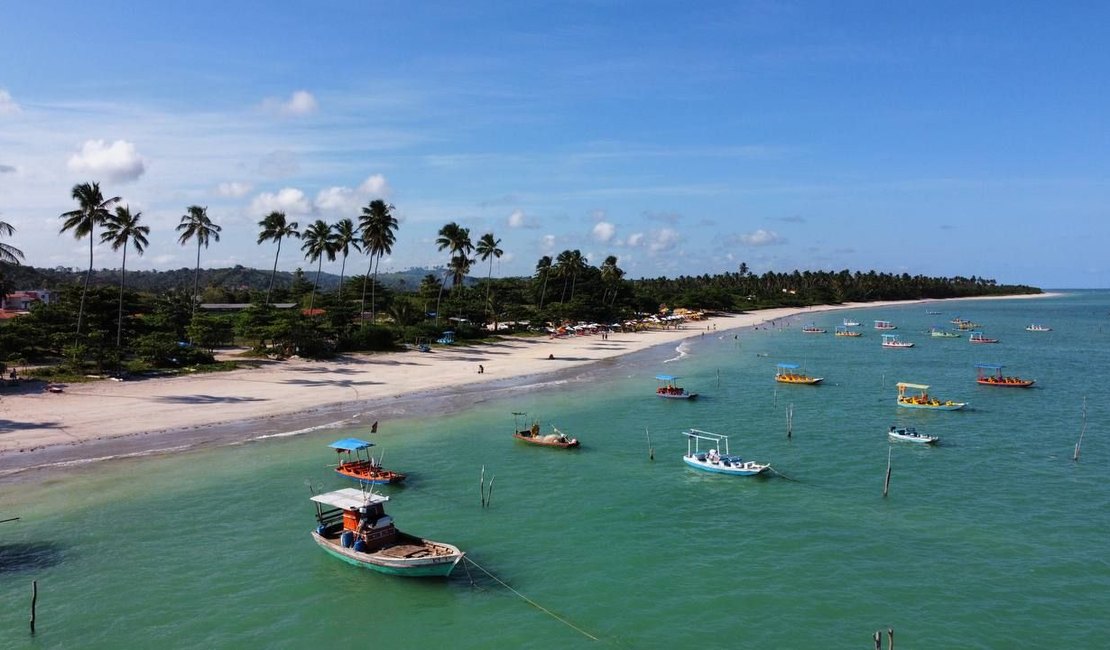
(939, 138)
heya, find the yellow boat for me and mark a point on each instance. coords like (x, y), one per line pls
(787, 374)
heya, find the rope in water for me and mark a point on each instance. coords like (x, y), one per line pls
(532, 602)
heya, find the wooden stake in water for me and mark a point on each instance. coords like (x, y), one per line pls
(489, 492)
(886, 483)
(718, 377)
(878, 637)
(789, 420)
(890, 633)
(651, 450)
(1083, 430)
(34, 601)
(482, 486)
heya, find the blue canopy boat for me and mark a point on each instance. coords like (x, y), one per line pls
(671, 390)
(364, 468)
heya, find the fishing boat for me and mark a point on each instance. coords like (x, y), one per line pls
(989, 374)
(842, 330)
(850, 323)
(714, 460)
(930, 312)
(787, 373)
(357, 463)
(922, 399)
(1038, 328)
(910, 434)
(978, 337)
(810, 328)
(967, 326)
(885, 325)
(533, 436)
(939, 332)
(352, 526)
(669, 389)
(895, 341)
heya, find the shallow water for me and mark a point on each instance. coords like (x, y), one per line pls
(995, 538)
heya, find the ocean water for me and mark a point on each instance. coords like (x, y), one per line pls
(993, 539)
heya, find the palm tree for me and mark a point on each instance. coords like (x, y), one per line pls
(319, 242)
(577, 264)
(458, 269)
(195, 224)
(487, 249)
(8, 254)
(377, 224)
(345, 239)
(121, 228)
(543, 269)
(456, 240)
(93, 210)
(275, 227)
(611, 275)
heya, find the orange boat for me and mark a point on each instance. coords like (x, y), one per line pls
(991, 375)
(360, 467)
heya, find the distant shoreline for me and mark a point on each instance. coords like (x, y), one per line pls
(106, 420)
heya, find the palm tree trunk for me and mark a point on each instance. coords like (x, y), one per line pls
(81, 309)
(342, 269)
(543, 292)
(440, 296)
(312, 298)
(374, 290)
(362, 306)
(274, 272)
(573, 281)
(196, 281)
(489, 283)
(119, 317)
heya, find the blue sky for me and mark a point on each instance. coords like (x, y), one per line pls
(942, 138)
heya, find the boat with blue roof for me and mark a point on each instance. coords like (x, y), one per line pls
(788, 373)
(357, 463)
(669, 388)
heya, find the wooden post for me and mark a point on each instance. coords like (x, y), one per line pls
(789, 421)
(878, 640)
(489, 493)
(886, 483)
(34, 601)
(482, 486)
(890, 633)
(651, 450)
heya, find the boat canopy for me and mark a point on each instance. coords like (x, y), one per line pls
(666, 377)
(351, 444)
(903, 384)
(988, 366)
(349, 498)
(788, 366)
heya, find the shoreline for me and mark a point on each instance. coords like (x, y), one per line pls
(41, 431)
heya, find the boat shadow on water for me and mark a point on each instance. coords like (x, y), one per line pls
(15, 558)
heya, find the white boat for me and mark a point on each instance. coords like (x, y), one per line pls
(910, 434)
(978, 337)
(714, 460)
(851, 323)
(885, 325)
(894, 341)
(939, 332)
(1038, 328)
(354, 528)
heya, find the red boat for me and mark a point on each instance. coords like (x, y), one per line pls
(991, 375)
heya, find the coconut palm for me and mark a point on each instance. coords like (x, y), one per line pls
(93, 210)
(458, 269)
(8, 254)
(611, 275)
(377, 224)
(276, 228)
(456, 240)
(319, 242)
(487, 249)
(122, 228)
(345, 239)
(195, 224)
(543, 269)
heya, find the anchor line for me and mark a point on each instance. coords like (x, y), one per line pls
(532, 602)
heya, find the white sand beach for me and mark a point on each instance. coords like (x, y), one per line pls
(156, 414)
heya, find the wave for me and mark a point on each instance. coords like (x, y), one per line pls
(683, 350)
(297, 432)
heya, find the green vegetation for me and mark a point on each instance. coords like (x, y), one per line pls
(153, 323)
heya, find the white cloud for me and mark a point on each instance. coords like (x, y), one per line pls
(603, 231)
(118, 162)
(636, 239)
(7, 104)
(348, 201)
(598, 215)
(663, 240)
(289, 200)
(762, 237)
(517, 219)
(234, 189)
(299, 103)
(547, 242)
(375, 186)
(279, 164)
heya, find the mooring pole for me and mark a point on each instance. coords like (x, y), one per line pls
(890, 633)
(886, 483)
(34, 601)
(482, 485)
(489, 492)
(878, 640)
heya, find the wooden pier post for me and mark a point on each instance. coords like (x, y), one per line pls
(482, 486)
(878, 639)
(34, 601)
(890, 633)
(886, 483)
(489, 492)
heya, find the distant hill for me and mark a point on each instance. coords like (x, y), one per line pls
(237, 278)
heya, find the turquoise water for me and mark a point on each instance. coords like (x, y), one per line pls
(993, 539)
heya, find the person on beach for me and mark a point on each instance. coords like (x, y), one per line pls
(481, 369)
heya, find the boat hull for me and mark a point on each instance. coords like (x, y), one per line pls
(921, 440)
(731, 470)
(1025, 383)
(365, 476)
(438, 566)
(539, 442)
(808, 381)
(677, 395)
(943, 406)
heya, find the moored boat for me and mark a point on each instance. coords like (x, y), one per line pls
(352, 526)
(714, 460)
(979, 337)
(669, 388)
(938, 332)
(787, 373)
(810, 328)
(533, 436)
(922, 399)
(894, 341)
(843, 330)
(364, 468)
(850, 323)
(1038, 328)
(989, 374)
(910, 434)
(885, 325)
